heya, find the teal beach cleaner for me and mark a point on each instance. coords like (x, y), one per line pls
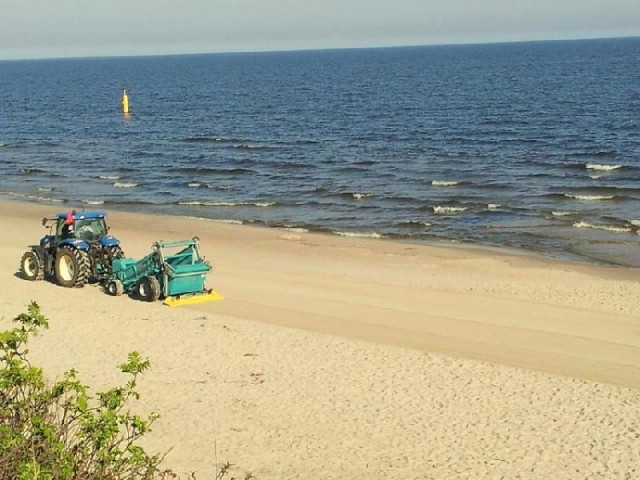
(179, 278)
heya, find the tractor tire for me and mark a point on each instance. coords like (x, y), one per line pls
(115, 252)
(148, 289)
(72, 267)
(115, 288)
(109, 255)
(31, 267)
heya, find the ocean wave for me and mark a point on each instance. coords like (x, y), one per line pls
(442, 210)
(203, 139)
(109, 177)
(445, 183)
(31, 170)
(215, 220)
(635, 223)
(608, 228)
(46, 189)
(359, 234)
(414, 224)
(93, 202)
(493, 206)
(602, 167)
(249, 146)
(361, 196)
(34, 197)
(589, 197)
(212, 171)
(294, 229)
(194, 184)
(221, 187)
(125, 184)
(3, 145)
(561, 213)
(225, 204)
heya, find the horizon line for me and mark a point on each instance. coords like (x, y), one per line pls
(315, 49)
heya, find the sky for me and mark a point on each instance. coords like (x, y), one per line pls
(80, 28)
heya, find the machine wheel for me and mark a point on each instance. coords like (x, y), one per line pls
(72, 267)
(148, 289)
(115, 288)
(31, 267)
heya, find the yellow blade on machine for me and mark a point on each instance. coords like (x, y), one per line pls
(179, 300)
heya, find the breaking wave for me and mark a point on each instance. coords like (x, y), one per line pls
(608, 228)
(441, 210)
(445, 183)
(359, 234)
(225, 204)
(109, 177)
(125, 184)
(589, 197)
(602, 167)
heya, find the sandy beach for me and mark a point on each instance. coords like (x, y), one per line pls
(335, 357)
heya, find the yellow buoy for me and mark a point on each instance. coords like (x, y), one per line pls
(125, 102)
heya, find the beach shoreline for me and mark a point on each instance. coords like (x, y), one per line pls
(338, 357)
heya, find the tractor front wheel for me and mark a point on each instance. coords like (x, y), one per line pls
(115, 288)
(31, 267)
(72, 267)
(149, 289)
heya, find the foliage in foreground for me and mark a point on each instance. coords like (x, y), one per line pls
(60, 431)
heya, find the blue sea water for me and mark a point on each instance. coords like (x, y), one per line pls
(528, 145)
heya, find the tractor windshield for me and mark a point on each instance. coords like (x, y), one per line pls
(90, 229)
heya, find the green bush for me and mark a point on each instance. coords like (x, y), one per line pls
(60, 431)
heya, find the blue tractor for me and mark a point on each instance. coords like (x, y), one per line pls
(77, 250)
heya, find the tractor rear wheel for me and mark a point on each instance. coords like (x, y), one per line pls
(31, 267)
(148, 289)
(72, 267)
(115, 252)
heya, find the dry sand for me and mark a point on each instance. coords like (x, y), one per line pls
(363, 359)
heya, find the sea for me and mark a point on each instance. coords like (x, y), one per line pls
(532, 147)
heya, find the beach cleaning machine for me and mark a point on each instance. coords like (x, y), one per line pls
(179, 278)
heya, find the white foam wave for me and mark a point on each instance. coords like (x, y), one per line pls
(608, 228)
(195, 184)
(226, 204)
(446, 210)
(3, 145)
(33, 197)
(109, 177)
(445, 183)
(635, 223)
(93, 202)
(295, 229)
(220, 187)
(493, 206)
(359, 234)
(602, 167)
(125, 184)
(228, 220)
(360, 196)
(215, 220)
(589, 197)
(45, 189)
(560, 214)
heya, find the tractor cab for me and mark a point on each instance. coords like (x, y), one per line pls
(87, 228)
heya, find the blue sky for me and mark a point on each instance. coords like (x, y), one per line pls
(68, 28)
